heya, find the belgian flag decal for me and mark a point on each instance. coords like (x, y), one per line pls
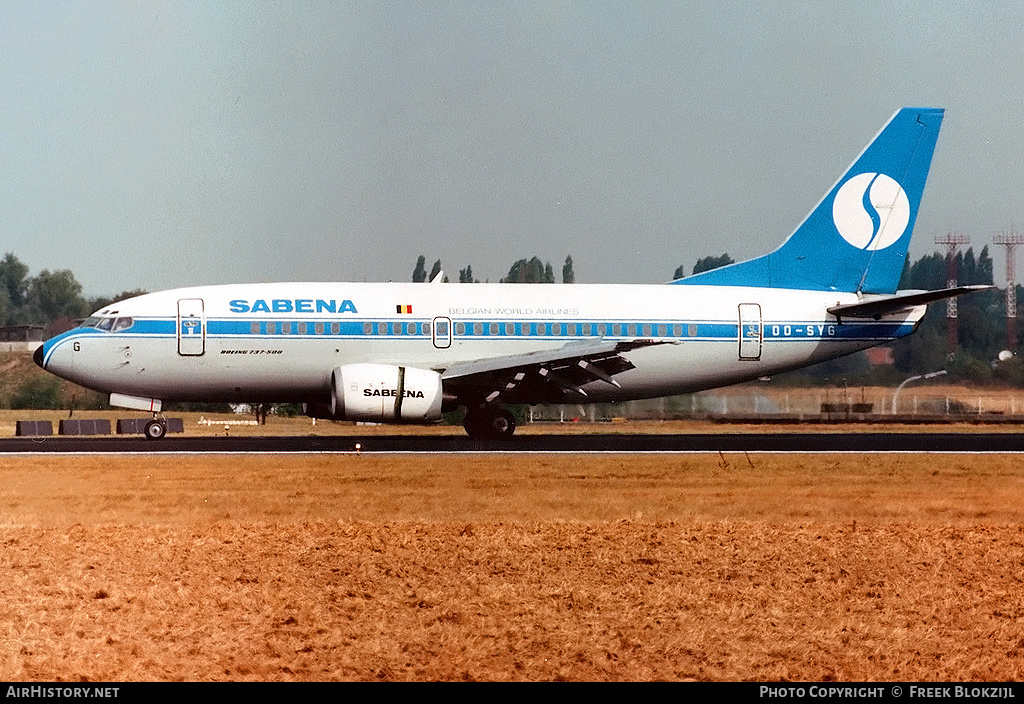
(403, 309)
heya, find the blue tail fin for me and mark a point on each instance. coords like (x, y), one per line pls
(856, 238)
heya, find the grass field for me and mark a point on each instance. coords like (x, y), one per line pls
(377, 567)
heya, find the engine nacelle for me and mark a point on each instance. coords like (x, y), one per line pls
(382, 393)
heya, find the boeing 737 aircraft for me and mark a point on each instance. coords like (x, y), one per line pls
(406, 353)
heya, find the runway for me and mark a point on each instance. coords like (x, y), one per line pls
(576, 443)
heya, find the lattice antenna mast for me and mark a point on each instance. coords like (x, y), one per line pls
(1010, 240)
(952, 241)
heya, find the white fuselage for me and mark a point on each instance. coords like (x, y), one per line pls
(280, 342)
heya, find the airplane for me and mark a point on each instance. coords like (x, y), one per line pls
(406, 353)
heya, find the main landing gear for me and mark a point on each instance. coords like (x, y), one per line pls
(489, 423)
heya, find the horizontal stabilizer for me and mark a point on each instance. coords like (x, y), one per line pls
(877, 306)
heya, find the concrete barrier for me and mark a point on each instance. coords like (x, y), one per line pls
(26, 428)
(131, 426)
(84, 426)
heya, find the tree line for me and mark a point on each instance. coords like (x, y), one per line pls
(50, 298)
(981, 324)
(523, 271)
(54, 299)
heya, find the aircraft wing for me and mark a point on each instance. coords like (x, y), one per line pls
(546, 376)
(877, 306)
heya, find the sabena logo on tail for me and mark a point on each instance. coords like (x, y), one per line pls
(871, 211)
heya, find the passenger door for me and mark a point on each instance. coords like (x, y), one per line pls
(750, 331)
(191, 327)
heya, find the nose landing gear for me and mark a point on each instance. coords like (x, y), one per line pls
(155, 429)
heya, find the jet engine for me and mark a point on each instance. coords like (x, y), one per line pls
(382, 393)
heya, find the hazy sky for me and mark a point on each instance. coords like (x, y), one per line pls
(158, 144)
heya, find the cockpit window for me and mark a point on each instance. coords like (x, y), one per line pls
(97, 322)
(110, 324)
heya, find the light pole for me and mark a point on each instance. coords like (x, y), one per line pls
(930, 375)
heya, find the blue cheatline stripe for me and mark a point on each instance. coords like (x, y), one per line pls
(403, 328)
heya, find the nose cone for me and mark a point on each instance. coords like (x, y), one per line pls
(37, 356)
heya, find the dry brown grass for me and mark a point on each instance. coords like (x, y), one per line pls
(875, 567)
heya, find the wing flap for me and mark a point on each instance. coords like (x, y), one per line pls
(545, 376)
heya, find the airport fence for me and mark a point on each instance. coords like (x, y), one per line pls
(876, 404)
